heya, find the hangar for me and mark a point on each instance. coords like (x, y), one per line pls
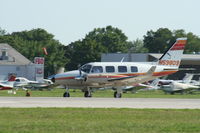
(190, 62)
(14, 63)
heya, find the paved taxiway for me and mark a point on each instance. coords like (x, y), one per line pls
(100, 102)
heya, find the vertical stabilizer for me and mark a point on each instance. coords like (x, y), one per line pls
(188, 77)
(174, 54)
(11, 78)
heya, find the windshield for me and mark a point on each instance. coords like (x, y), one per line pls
(86, 68)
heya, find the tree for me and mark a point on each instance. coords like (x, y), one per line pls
(100, 40)
(193, 43)
(158, 41)
(137, 46)
(161, 39)
(112, 39)
(2, 32)
(31, 44)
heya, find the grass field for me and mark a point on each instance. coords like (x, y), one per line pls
(96, 120)
(101, 93)
(90, 120)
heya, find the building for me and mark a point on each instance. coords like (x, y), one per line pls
(14, 63)
(190, 63)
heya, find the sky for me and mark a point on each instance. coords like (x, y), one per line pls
(71, 20)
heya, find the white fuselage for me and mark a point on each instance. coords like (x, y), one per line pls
(176, 87)
(98, 74)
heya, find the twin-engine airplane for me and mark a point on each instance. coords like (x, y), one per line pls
(119, 75)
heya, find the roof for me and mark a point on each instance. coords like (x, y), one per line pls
(185, 56)
(187, 59)
(14, 57)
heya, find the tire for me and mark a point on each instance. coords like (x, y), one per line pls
(66, 94)
(87, 94)
(117, 95)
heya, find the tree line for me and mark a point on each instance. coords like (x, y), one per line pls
(89, 49)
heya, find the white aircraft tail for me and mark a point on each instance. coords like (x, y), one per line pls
(155, 82)
(188, 77)
(173, 56)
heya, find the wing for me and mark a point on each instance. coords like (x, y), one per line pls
(5, 86)
(130, 80)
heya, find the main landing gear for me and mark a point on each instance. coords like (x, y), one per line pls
(88, 93)
(117, 94)
(66, 94)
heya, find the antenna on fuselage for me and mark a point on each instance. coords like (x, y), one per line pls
(122, 60)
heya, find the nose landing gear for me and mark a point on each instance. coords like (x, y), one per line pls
(66, 94)
(87, 94)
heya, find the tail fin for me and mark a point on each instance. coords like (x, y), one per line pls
(154, 82)
(188, 77)
(11, 78)
(173, 56)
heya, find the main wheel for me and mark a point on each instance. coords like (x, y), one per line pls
(66, 94)
(117, 95)
(87, 94)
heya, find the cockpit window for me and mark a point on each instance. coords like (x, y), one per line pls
(17, 80)
(86, 68)
(97, 69)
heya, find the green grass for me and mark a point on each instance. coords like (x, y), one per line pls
(90, 120)
(101, 93)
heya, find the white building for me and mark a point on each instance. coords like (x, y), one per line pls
(14, 63)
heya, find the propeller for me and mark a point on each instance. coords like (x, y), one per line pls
(82, 77)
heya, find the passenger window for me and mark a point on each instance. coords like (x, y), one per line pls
(122, 69)
(134, 69)
(97, 69)
(110, 69)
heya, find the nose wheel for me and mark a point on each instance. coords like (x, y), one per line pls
(87, 94)
(66, 94)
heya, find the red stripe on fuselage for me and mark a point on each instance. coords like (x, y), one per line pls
(163, 73)
(107, 76)
(62, 78)
(5, 88)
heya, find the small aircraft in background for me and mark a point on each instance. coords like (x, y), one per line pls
(186, 79)
(21, 82)
(119, 75)
(179, 86)
(7, 85)
(138, 87)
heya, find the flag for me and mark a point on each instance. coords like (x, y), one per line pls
(45, 51)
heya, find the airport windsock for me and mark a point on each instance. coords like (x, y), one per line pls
(45, 51)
